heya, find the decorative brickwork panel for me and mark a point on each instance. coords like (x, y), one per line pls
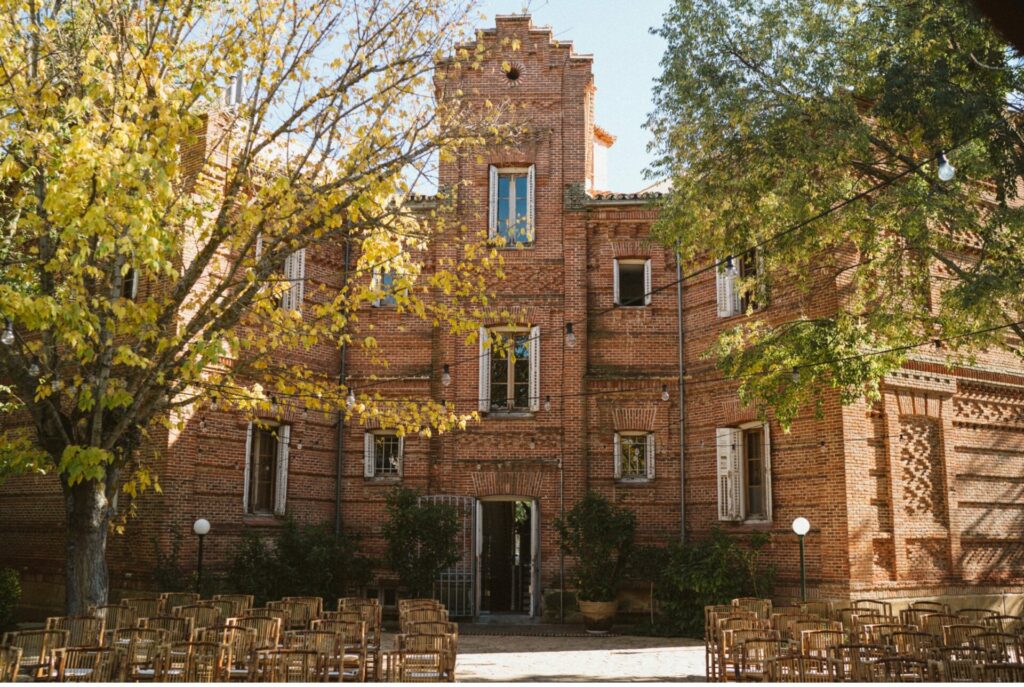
(507, 483)
(637, 419)
(921, 463)
(927, 559)
(993, 561)
(883, 560)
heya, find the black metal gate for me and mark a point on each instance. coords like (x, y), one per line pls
(456, 586)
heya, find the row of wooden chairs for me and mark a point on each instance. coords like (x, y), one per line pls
(428, 643)
(741, 637)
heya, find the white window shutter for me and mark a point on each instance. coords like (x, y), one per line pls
(134, 285)
(375, 285)
(299, 285)
(736, 468)
(650, 456)
(734, 296)
(484, 400)
(618, 457)
(767, 472)
(615, 281)
(728, 477)
(368, 449)
(286, 297)
(401, 455)
(259, 246)
(723, 296)
(534, 368)
(531, 202)
(492, 202)
(647, 282)
(248, 468)
(284, 434)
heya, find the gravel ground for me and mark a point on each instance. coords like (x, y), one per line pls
(502, 656)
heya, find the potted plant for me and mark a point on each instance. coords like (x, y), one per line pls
(599, 535)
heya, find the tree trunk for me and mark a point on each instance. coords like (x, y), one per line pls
(88, 520)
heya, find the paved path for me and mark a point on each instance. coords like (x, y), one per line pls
(499, 658)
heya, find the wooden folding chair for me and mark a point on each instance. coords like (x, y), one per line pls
(37, 651)
(144, 651)
(287, 665)
(761, 607)
(143, 606)
(171, 600)
(178, 629)
(88, 664)
(10, 663)
(268, 630)
(83, 631)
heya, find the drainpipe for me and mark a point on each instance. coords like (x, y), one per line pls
(682, 398)
(342, 378)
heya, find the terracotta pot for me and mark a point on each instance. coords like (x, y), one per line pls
(598, 616)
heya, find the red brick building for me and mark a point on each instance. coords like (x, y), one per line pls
(917, 496)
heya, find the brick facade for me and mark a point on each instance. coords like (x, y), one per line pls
(917, 495)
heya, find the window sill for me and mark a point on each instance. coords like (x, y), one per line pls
(635, 481)
(622, 306)
(262, 520)
(516, 247)
(383, 481)
(511, 414)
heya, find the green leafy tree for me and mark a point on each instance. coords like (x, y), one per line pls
(769, 112)
(119, 164)
(422, 539)
(599, 536)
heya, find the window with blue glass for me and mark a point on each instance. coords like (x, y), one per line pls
(384, 284)
(512, 205)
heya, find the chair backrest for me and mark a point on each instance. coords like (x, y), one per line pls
(874, 605)
(202, 616)
(933, 606)
(960, 635)
(915, 616)
(144, 606)
(242, 602)
(1003, 623)
(10, 663)
(144, 649)
(761, 607)
(88, 664)
(240, 642)
(83, 631)
(268, 630)
(37, 648)
(1001, 672)
(115, 617)
(817, 642)
(753, 655)
(179, 629)
(199, 661)
(315, 603)
(798, 669)
(433, 628)
(287, 665)
(224, 606)
(912, 643)
(879, 633)
(822, 608)
(424, 643)
(352, 633)
(934, 623)
(975, 615)
(1001, 646)
(851, 661)
(897, 669)
(958, 664)
(269, 612)
(711, 613)
(171, 600)
(323, 642)
(797, 629)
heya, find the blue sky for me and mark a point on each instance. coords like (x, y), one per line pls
(626, 60)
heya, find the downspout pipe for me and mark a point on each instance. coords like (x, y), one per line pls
(682, 397)
(342, 379)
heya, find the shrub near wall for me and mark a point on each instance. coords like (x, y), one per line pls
(689, 576)
(10, 594)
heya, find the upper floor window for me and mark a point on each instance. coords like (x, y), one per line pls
(295, 273)
(632, 285)
(130, 284)
(384, 286)
(509, 370)
(744, 473)
(266, 469)
(734, 299)
(634, 455)
(511, 201)
(382, 454)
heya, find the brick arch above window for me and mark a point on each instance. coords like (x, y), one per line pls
(518, 316)
(631, 248)
(636, 418)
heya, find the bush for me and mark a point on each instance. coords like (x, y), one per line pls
(306, 560)
(421, 539)
(10, 594)
(599, 535)
(687, 577)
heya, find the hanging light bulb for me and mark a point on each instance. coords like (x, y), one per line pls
(202, 424)
(305, 413)
(946, 170)
(273, 404)
(446, 377)
(664, 392)
(730, 267)
(8, 336)
(570, 337)
(298, 446)
(796, 375)
(350, 400)
(33, 369)
(547, 403)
